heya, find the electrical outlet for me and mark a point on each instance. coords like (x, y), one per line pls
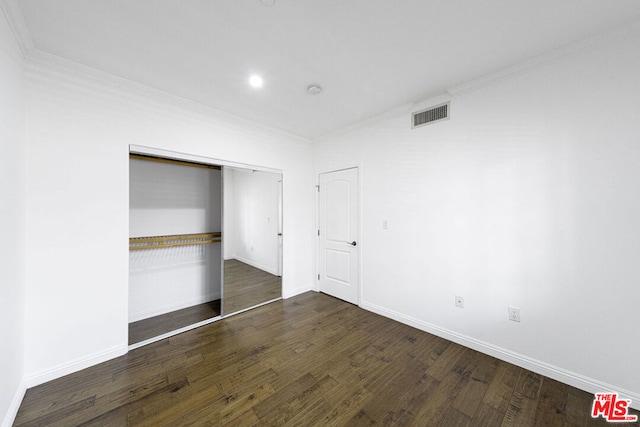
(514, 314)
(459, 301)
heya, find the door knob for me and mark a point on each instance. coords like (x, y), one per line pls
(353, 243)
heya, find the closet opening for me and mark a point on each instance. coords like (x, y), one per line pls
(205, 241)
(175, 229)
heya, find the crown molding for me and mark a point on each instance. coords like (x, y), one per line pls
(34, 56)
(43, 59)
(13, 15)
(433, 101)
(558, 55)
(389, 114)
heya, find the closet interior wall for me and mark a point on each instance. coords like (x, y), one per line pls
(173, 199)
(252, 218)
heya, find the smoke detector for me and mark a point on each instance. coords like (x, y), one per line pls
(314, 89)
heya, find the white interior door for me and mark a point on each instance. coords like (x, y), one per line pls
(338, 234)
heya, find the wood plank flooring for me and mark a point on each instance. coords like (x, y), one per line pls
(311, 360)
(246, 286)
(158, 325)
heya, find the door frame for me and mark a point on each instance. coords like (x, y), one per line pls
(195, 158)
(316, 280)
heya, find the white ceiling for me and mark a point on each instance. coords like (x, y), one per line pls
(370, 56)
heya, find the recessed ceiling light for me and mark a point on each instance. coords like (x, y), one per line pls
(256, 81)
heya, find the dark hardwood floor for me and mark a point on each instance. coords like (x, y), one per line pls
(158, 325)
(246, 286)
(307, 360)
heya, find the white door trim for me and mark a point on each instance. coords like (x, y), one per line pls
(316, 282)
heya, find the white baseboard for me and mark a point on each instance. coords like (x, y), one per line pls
(559, 374)
(157, 311)
(255, 264)
(12, 411)
(74, 365)
(296, 291)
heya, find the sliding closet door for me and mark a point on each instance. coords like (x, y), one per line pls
(175, 227)
(252, 238)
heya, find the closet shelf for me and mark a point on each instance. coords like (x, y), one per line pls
(155, 242)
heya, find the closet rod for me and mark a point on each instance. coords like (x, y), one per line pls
(172, 161)
(155, 242)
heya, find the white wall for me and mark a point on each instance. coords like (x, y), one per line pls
(251, 217)
(12, 225)
(79, 134)
(528, 196)
(167, 199)
(228, 213)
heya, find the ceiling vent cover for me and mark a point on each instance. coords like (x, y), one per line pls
(430, 115)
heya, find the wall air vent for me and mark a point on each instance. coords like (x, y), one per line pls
(430, 115)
